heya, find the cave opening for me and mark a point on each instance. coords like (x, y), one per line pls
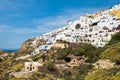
(67, 59)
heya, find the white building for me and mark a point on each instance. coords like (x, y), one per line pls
(32, 66)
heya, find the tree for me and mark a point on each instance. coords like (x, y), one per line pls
(86, 49)
(62, 53)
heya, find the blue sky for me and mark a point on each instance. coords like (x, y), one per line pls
(23, 19)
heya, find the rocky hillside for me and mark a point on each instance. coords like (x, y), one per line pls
(75, 62)
(28, 45)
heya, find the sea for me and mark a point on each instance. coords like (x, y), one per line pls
(9, 50)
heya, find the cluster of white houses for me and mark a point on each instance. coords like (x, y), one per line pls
(95, 29)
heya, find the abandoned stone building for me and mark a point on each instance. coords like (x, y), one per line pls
(32, 66)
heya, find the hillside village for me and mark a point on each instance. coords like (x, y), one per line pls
(84, 49)
(95, 29)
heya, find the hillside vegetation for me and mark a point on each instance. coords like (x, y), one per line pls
(85, 70)
(102, 74)
(115, 39)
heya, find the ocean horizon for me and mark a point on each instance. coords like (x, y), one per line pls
(9, 50)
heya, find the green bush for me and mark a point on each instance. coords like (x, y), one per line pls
(112, 53)
(115, 39)
(50, 66)
(89, 51)
(92, 53)
(36, 57)
(79, 51)
(79, 77)
(84, 68)
(102, 74)
(67, 75)
(62, 53)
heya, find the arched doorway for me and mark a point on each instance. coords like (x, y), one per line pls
(77, 26)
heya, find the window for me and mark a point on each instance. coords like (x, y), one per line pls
(27, 67)
(30, 68)
(96, 34)
(33, 67)
(103, 21)
(73, 60)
